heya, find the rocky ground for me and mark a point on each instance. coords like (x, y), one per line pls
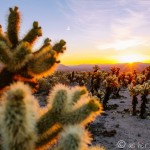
(117, 128)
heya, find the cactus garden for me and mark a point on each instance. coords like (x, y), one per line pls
(46, 105)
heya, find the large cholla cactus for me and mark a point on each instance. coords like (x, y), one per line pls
(144, 91)
(134, 92)
(26, 126)
(140, 79)
(17, 56)
(110, 82)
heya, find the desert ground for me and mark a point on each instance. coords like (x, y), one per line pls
(117, 127)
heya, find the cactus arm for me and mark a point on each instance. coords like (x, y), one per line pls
(83, 114)
(45, 122)
(45, 61)
(76, 95)
(3, 37)
(5, 55)
(76, 116)
(21, 56)
(33, 34)
(44, 49)
(50, 118)
(18, 118)
(13, 26)
(42, 66)
(59, 47)
(48, 139)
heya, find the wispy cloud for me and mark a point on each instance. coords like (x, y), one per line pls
(126, 31)
(89, 16)
(118, 25)
(122, 44)
(129, 25)
(116, 17)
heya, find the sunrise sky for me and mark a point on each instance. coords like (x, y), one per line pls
(96, 31)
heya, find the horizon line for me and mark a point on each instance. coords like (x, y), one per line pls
(104, 63)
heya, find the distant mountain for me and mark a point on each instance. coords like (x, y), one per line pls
(88, 67)
(63, 68)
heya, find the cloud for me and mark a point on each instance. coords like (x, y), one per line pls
(122, 44)
(127, 26)
(113, 24)
(125, 31)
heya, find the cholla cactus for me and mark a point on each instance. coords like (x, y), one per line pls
(17, 118)
(100, 94)
(96, 68)
(20, 62)
(115, 71)
(24, 125)
(145, 88)
(134, 89)
(128, 78)
(140, 79)
(95, 82)
(110, 82)
(144, 91)
(134, 92)
(146, 72)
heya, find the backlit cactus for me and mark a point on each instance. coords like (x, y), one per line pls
(17, 54)
(24, 125)
(17, 118)
(79, 139)
(134, 92)
(144, 91)
(110, 82)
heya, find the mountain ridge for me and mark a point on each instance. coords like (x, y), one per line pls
(89, 67)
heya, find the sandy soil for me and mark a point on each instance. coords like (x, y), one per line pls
(118, 129)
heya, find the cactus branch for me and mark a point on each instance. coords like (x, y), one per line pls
(13, 26)
(33, 34)
(48, 139)
(18, 118)
(5, 55)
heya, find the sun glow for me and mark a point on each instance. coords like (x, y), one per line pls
(131, 58)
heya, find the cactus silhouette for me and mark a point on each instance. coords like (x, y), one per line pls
(24, 125)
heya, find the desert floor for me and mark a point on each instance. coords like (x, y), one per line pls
(117, 128)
